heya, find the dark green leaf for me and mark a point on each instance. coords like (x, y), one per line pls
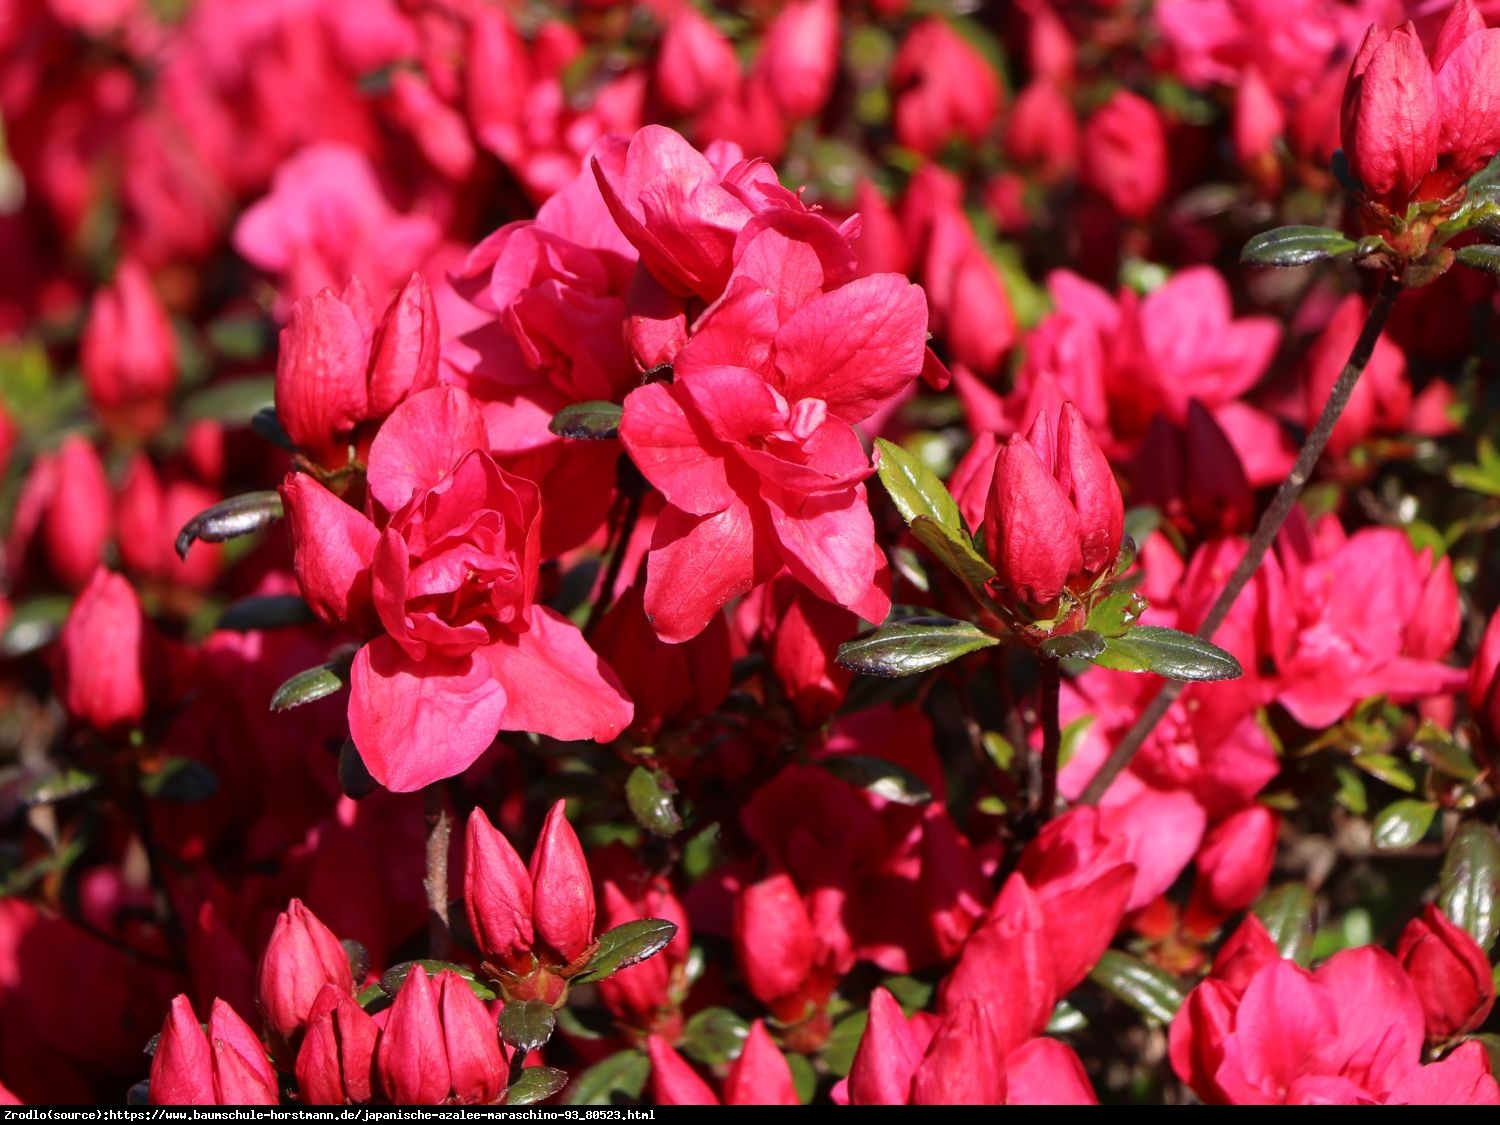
(1444, 755)
(239, 515)
(1145, 988)
(838, 1052)
(527, 1024)
(270, 611)
(1287, 913)
(713, 1036)
(914, 488)
(182, 780)
(1085, 644)
(1480, 256)
(804, 1078)
(1469, 887)
(310, 685)
(359, 958)
(396, 976)
(912, 993)
(537, 1083)
(58, 785)
(588, 421)
(1388, 769)
(917, 644)
(954, 550)
(622, 1076)
(267, 427)
(882, 778)
(1170, 653)
(1295, 246)
(627, 945)
(1402, 824)
(34, 624)
(235, 402)
(649, 794)
(1114, 615)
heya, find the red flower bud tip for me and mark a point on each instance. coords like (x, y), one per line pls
(774, 941)
(301, 958)
(799, 57)
(964, 1063)
(673, 1080)
(76, 526)
(562, 891)
(404, 352)
(1451, 972)
(102, 655)
(182, 1068)
(1055, 518)
(888, 1054)
(1388, 123)
(761, 1075)
(497, 896)
(321, 389)
(439, 1045)
(128, 352)
(242, 1072)
(944, 89)
(336, 1065)
(696, 65)
(1125, 155)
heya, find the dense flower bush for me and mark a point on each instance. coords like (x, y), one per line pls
(841, 551)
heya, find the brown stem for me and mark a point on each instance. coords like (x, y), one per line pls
(1051, 699)
(1265, 534)
(435, 882)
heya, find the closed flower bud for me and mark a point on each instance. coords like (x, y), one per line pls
(562, 892)
(1451, 972)
(103, 656)
(226, 1066)
(404, 352)
(128, 352)
(497, 896)
(321, 391)
(440, 1045)
(336, 1063)
(1125, 155)
(302, 957)
(774, 941)
(77, 524)
(799, 56)
(944, 89)
(1389, 120)
(696, 64)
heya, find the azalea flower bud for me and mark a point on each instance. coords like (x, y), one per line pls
(336, 1064)
(404, 351)
(1451, 972)
(128, 352)
(562, 891)
(1233, 865)
(440, 1045)
(1388, 123)
(1043, 132)
(226, 1066)
(800, 55)
(774, 941)
(944, 89)
(497, 895)
(696, 65)
(321, 391)
(1055, 518)
(102, 655)
(1125, 155)
(76, 526)
(302, 957)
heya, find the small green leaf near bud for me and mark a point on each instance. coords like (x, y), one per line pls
(588, 421)
(1295, 246)
(917, 644)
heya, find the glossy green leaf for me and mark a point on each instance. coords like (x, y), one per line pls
(838, 1052)
(1469, 886)
(954, 550)
(1480, 256)
(1295, 246)
(588, 421)
(1287, 912)
(537, 1083)
(713, 1036)
(914, 488)
(1402, 824)
(395, 976)
(239, 515)
(1170, 653)
(877, 776)
(1085, 644)
(618, 1079)
(916, 644)
(34, 624)
(650, 793)
(627, 945)
(269, 611)
(527, 1024)
(1144, 987)
(311, 684)
(235, 402)
(58, 785)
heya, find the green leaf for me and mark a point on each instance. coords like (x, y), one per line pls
(270, 611)
(182, 780)
(954, 550)
(1066, 1019)
(627, 945)
(1469, 886)
(34, 624)
(588, 421)
(1351, 791)
(616, 1080)
(1388, 769)
(396, 976)
(235, 402)
(58, 785)
(1085, 644)
(876, 775)
(527, 1024)
(311, 684)
(1170, 653)
(1480, 256)
(1437, 747)
(912, 993)
(914, 488)
(1287, 913)
(1114, 615)
(1145, 988)
(537, 1083)
(1295, 246)
(838, 1052)
(804, 1078)
(917, 644)
(1402, 824)
(649, 794)
(239, 515)
(713, 1036)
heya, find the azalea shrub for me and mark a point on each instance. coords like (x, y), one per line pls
(669, 553)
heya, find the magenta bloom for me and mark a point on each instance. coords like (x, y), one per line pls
(448, 582)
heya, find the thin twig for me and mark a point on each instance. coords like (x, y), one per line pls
(1265, 534)
(435, 881)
